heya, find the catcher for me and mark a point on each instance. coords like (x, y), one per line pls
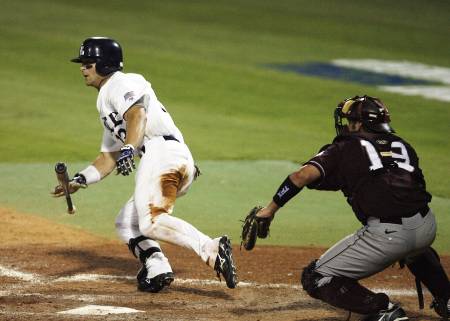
(378, 172)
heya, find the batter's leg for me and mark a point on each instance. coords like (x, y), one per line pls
(156, 191)
(156, 271)
(164, 173)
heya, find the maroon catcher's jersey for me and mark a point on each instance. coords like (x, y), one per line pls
(378, 173)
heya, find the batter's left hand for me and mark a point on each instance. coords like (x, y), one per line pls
(125, 162)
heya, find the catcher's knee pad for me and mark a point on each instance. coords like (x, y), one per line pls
(428, 269)
(342, 292)
(310, 278)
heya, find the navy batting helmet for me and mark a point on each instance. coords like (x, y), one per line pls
(105, 52)
(370, 111)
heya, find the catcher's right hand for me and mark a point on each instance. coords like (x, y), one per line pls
(254, 227)
(77, 182)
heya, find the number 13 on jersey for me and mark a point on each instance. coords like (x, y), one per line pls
(401, 159)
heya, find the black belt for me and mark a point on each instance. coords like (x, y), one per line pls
(170, 137)
(398, 220)
(166, 137)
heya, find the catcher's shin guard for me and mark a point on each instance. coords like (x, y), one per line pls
(441, 307)
(428, 269)
(342, 292)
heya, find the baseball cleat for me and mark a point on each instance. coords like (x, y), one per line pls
(395, 313)
(441, 307)
(142, 274)
(156, 283)
(225, 264)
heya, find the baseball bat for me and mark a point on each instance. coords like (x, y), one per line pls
(63, 179)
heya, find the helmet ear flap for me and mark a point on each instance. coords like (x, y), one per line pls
(102, 69)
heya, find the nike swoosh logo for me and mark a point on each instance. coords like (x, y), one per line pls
(389, 232)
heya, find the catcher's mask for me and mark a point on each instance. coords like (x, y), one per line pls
(105, 52)
(370, 111)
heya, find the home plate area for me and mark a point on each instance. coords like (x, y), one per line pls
(99, 310)
(54, 272)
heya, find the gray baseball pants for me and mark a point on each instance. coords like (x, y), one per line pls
(376, 246)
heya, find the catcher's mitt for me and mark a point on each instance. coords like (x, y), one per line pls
(254, 227)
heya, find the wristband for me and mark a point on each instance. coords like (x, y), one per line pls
(285, 192)
(91, 174)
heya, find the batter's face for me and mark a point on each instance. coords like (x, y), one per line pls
(91, 78)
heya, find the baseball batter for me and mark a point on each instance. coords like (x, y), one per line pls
(379, 174)
(135, 123)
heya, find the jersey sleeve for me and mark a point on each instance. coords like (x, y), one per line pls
(327, 162)
(109, 144)
(128, 92)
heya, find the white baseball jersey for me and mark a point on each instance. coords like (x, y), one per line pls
(116, 96)
(166, 171)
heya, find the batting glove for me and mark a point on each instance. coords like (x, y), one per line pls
(77, 182)
(125, 162)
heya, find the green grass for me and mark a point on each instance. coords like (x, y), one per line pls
(215, 204)
(204, 59)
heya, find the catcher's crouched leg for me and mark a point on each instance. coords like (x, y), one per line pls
(342, 292)
(428, 269)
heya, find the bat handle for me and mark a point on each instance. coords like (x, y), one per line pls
(70, 208)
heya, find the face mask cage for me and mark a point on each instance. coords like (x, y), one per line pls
(345, 110)
(339, 126)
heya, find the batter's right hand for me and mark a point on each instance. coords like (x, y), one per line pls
(77, 182)
(125, 162)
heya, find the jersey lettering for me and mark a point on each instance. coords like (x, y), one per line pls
(375, 161)
(113, 123)
(401, 159)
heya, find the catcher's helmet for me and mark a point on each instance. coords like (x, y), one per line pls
(105, 52)
(370, 111)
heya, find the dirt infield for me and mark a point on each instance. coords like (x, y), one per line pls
(47, 269)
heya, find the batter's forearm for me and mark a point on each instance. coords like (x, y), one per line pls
(136, 121)
(105, 163)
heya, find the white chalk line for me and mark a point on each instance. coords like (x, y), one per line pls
(399, 68)
(29, 277)
(34, 278)
(406, 69)
(433, 92)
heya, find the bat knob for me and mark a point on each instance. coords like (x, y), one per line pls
(72, 211)
(60, 168)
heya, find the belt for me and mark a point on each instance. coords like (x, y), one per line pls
(170, 137)
(398, 220)
(166, 137)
